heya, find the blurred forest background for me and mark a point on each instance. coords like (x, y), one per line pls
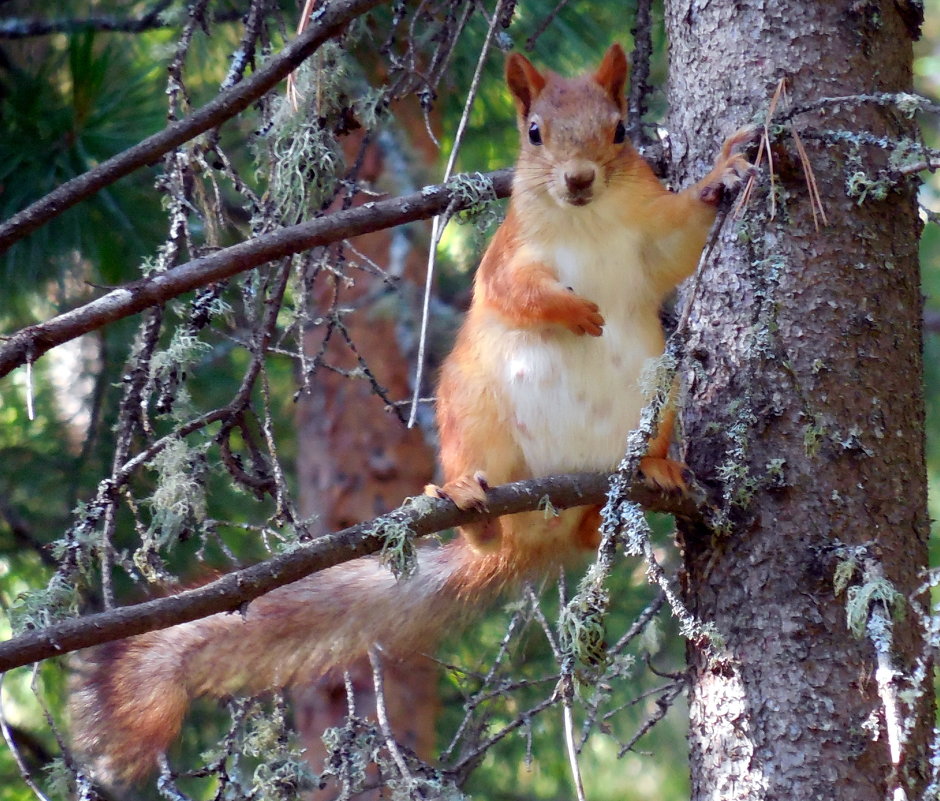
(94, 82)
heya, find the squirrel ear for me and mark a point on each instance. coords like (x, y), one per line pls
(611, 75)
(525, 81)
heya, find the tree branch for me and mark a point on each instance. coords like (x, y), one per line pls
(26, 28)
(28, 344)
(327, 22)
(232, 591)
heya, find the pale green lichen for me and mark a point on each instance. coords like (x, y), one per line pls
(581, 631)
(862, 186)
(60, 780)
(180, 494)
(38, 609)
(859, 599)
(739, 483)
(813, 436)
(475, 194)
(651, 638)
(658, 375)
(547, 508)
(709, 631)
(177, 503)
(909, 104)
(844, 573)
(304, 159)
(282, 773)
(399, 553)
(350, 748)
(184, 349)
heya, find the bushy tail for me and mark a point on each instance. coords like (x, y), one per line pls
(129, 697)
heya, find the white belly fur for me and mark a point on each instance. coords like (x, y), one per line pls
(573, 399)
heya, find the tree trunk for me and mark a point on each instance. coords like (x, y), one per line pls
(803, 410)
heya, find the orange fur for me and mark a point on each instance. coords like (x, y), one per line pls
(543, 378)
(576, 189)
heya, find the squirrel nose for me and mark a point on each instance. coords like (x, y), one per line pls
(580, 180)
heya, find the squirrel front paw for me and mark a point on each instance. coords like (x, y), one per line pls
(731, 169)
(582, 316)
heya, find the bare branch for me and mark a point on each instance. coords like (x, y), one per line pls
(329, 21)
(232, 591)
(28, 344)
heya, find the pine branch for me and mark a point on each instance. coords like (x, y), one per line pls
(233, 591)
(19, 28)
(29, 343)
(328, 22)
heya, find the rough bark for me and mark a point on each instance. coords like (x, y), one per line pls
(804, 411)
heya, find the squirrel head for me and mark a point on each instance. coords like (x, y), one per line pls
(572, 130)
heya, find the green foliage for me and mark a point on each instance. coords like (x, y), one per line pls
(529, 763)
(86, 100)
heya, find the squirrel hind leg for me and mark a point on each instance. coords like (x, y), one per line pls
(657, 470)
(483, 537)
(588, 534)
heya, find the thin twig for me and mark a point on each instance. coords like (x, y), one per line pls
(30, 28)
(11, 744)
(440, 221)
(663, 704)
(781, 86)
(381, 713)
(543, 25)
(571, 748)
(815, 199)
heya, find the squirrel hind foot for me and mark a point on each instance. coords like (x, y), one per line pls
(469, 492)
(665, 475)
(466, 492)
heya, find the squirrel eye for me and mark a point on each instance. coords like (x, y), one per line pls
(535, 135)
(620, 133)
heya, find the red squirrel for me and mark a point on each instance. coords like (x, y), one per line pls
(543, 379)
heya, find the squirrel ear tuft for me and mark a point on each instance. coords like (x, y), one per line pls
(611, 75)
(525, 81)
